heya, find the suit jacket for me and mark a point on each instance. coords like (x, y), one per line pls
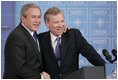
(72, 44)
(22, 57)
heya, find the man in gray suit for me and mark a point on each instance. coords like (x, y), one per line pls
(23, 58)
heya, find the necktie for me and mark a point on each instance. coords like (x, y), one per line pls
(57, 50)
(35, 36)
(36, 40)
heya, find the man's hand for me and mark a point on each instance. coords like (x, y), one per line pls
(45, 75)
(66, 28)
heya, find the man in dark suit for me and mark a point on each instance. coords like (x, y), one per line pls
(72, 43)
(23, 59)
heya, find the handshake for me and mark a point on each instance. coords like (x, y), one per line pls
(45, 75)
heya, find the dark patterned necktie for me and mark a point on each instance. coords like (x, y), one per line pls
(35, 37)
(57, 50)
(36, 40)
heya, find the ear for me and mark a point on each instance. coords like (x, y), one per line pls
(47, 23)
(22, 18)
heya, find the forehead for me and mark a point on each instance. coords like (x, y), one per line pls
(58, 16)
(33, 11)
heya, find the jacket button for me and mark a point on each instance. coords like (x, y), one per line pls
(59, 74)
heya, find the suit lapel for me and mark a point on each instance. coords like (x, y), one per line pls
(32, 42)
(48, 43)
(49, 48)
(64, 45)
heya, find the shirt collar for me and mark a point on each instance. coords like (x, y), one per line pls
(53, 38)
(27, 29)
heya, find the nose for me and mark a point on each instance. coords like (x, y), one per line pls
(61, 24)
(37, 20)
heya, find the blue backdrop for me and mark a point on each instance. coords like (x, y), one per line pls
(97, 20)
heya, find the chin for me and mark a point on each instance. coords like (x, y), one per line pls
(59, 34)
(35, 29)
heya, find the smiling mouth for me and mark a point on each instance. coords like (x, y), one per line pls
(37, 25)
(58, 29)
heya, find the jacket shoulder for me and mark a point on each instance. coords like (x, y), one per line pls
(41, 35)
(74, 30)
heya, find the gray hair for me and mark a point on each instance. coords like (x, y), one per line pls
(50, 12)
(26, 7)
